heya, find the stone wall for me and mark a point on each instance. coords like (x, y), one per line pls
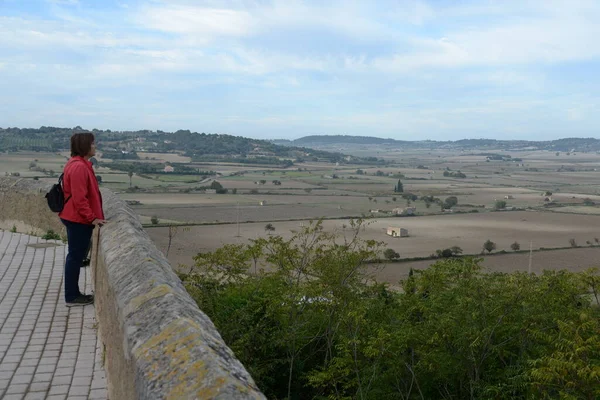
(157, 343)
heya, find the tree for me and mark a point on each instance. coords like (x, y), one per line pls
(276, 182)
(390, 254)
(450, 202)
(489, 246)
(32, 165)
(515, 246)
(130, 174)
(216, 185)
(307, 190)
(269, 228)
(453, 251)
(399, 188)
(394, 199)
(359, 172)
(173, 230)
(154, 220)
(500, 205)
(98, 179)
(456, 251)
(588, 202)
(262, 181)
(572, 242)
(234, 191)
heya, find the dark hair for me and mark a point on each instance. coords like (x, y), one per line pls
(81, 144)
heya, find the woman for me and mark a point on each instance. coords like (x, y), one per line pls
(81, 213)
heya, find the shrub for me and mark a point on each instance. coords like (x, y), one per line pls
(390, 254)
(572, 242)
(515, 246)
(588, 202)
(269, 228)
(51, 235)
(489, 246)
(154, 220)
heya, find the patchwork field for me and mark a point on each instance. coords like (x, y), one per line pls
(549, 200)
(427, 234)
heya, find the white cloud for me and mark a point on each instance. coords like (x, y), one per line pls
(64, 2)
(554, 34)
(410, 66)
(198, 21)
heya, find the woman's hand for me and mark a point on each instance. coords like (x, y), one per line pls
(98, 222)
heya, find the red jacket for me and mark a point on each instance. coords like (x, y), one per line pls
(80, 187)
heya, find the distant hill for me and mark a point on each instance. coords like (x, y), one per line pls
(567, 144)
(337, 139)
(201, 147)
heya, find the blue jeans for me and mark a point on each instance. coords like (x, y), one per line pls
(79, 236)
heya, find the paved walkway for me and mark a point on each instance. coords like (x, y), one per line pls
(47, 350)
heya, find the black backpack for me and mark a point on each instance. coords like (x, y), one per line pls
(56, 197)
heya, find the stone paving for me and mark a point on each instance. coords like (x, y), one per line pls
(47, 350)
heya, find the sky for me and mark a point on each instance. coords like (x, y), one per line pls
(403, 69)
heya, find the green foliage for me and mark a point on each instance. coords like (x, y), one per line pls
(515, 246)
(154, 220)
(449, 252)
(118, 155)
(51, 235)
(269, 228)
(13, 229)
(156, 169)
(489, 246)
(216, 185)
(450, 202)
(391, 254)
(500, 205)
(399, 188)
(456, 174)
(314, 324)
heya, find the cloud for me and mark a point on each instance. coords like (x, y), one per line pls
(64, 2)
(197, 21)
(291, 66)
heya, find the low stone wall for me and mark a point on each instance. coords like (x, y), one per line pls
(158, 344)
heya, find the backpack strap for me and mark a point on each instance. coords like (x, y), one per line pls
(60, 182)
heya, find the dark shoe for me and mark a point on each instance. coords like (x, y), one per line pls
(82, 300)
(86, 262)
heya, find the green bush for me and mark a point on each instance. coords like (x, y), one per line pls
(313, 323)
(51, 235)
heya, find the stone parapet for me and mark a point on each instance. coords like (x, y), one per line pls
(157, 342)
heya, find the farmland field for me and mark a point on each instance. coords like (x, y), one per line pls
(427, 233)
(549, 200)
